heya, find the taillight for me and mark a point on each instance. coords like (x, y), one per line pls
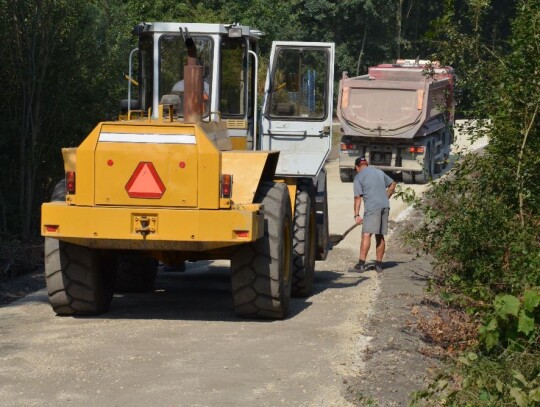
(226, 185)
(70, 182)
(416, 150)
(345, 97)
(347, 146)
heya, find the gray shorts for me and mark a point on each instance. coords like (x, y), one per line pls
(376, 222)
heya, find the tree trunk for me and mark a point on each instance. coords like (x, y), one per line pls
(399, 18)
(361, 50)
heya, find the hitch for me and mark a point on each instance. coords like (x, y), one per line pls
(145, 225)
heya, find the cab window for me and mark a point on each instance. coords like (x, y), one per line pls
(233, 80)
(173, 58)
(298, 84)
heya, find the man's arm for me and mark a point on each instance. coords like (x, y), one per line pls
(390, 190)
(357, 206)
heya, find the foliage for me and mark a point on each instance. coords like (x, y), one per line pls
(483, 221)
(512, 378)
(512, 323)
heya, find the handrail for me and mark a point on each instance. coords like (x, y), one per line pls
(255, 113)
(130, 76)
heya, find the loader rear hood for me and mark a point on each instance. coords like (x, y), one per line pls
(146, 167)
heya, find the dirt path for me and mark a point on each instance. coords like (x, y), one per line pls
(182, 345)
(349, 344)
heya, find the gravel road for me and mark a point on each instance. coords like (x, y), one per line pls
(182, 345)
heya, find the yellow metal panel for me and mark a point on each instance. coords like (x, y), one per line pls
(175, 164)
(109, 227)
(246, 168)
(209, 171)
(70, 159)
(207, 174)
(84, 181)
(238, 143)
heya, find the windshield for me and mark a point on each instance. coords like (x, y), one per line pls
(173, 58)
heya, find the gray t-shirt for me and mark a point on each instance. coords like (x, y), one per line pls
(371, 184)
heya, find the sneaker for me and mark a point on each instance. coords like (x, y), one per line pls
(360, 267)
(378, 267)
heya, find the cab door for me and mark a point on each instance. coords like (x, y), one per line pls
(297, 106)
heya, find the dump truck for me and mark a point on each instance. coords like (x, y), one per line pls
(399, 116)
(191, 171)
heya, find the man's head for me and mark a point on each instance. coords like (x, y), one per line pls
(360, 163)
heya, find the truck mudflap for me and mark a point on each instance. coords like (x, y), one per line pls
(146, 228)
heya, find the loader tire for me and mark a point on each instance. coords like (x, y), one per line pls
(79, 279)
(304, 239)
(135, 273)
(59, 192)
(323, 242)
(261, 272)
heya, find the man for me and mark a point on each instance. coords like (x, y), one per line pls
(375, 188)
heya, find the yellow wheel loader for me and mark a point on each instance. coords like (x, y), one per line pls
(191, 171)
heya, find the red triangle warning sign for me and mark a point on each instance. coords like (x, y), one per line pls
(145, 182)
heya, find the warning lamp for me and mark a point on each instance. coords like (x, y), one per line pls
(226, 185)
(70, 182)
(416, 150)
(347, 146)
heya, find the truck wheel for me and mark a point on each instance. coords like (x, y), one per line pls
(408, 177)
(135, 273)
(423, 177)
(79, 279)
(345, 175)
(261, 272)
(304, 239)
(446, 158)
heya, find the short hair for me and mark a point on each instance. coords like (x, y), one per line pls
(360, 160)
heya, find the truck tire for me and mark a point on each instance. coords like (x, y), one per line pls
(345, 176)
(59, 192)
(304, 239)
(261, 272)
(408, 177)
(79, 279)
(424, 176)
(135, 273)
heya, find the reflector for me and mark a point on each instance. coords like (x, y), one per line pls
(145, 182)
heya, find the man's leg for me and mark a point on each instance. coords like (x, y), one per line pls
(380, 247)
(365, 245)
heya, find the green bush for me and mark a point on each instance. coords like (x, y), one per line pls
(510, 379)
(512, 323)
(482, 222)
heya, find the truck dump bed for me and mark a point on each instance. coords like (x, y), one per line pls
(397, 101)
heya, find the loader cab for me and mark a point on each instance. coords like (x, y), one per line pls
(227, 54)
